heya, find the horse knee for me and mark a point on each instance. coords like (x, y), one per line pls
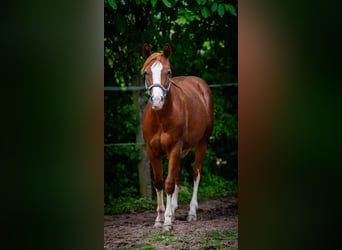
(169, 187)
(159, 184)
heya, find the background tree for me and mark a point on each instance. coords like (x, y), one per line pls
(203, 37)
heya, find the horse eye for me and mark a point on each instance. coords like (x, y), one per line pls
(169, 72)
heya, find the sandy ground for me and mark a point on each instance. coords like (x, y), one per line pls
(135, 230)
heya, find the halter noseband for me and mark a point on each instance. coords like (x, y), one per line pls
(165, 90)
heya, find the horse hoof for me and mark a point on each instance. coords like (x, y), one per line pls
(158, 225)
(191, 218)
(167, 228)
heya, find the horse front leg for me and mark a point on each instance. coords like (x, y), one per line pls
(160, 209)
(171, 187)
(157, 167)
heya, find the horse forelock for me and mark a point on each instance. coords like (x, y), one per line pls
(154, 57)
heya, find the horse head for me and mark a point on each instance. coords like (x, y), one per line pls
(157, 73)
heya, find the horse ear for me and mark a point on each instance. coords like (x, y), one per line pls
(167, 50)
(146, 50)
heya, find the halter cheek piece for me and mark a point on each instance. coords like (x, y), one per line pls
(165, 90)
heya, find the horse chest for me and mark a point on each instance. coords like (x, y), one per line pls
(161, 142)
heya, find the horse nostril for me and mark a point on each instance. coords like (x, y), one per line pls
(157, 98)
(162, 98)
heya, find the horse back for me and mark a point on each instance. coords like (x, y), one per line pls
(196, 92)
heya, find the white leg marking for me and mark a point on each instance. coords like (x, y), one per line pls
(193, 204)
(168, 213)
(174, 201)
(160, 209)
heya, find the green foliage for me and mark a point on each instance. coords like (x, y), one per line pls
(120, 172)
(211, 186)
(205, 12)
(167, 3)
(112, 3)
(231, 9)
(127, 204)
(203, 37)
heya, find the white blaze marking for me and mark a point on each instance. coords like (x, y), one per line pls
(156, 69)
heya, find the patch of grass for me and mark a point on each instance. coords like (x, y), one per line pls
(148, 247)
(159, 236)
(142, 247)
(185, 193)
(125, 204)
(222, 235)
(166, 237)
(212, 186)
(213, 240)
(213, 244)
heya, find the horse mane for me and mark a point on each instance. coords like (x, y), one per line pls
(155, 56)
(175, 83)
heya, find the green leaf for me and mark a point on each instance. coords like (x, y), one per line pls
(181, 20)
(201, 2)
(167, 3)
(154, 2)
(214, 7)
(220, 10)
(187, 15)
(231, 9)
(120, 23)
(197, 17)
(205, 12)
(112, 3)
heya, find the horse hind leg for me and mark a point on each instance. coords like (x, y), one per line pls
(174, 202)
(199, 157)
(192, 216)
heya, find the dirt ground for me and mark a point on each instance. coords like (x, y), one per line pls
(216, 228)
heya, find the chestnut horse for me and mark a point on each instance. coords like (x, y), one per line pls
(179, 116)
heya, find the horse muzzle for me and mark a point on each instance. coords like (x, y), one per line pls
(157, 102)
